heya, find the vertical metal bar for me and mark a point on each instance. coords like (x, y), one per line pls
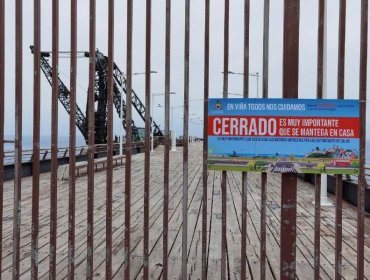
(36, 141)
(91, 141)
(339, 184)
(362, 179)
(18, 136)
(317, 227)
(148, 127)
(224, 173)
(320, 50)
(205, 138)
(186, 144)
(243, 269)
(54, 141)
(128, 140)
(288, 180)
(109, 184)
(266, 33)
(243, 253)
(266, 43)
(167, 138)
(72, 144)
(223, 230)
(266, 46)
(263, 224)
(2, 120)
(341, 48)
(319, 95)
(338, 227)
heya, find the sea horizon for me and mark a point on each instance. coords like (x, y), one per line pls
(63, 142)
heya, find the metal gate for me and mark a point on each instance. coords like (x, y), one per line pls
(288, 223)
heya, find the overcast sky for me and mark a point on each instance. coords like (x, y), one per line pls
(308, 53)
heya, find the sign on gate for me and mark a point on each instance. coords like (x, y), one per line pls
(284, 135)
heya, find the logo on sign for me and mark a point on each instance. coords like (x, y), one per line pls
(218, 106)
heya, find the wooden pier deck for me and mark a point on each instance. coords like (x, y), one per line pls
(305, 225)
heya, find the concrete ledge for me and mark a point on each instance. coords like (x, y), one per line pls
(349, 189)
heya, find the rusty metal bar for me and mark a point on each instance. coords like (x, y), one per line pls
(224, 173)
(72, 144)
(266, 33)
(319, 95)
(341, 48)
(263, 225)
(288, 180)
(223, 231)
(205, 138)
(339, 184)
(243, 252)
(18, 136)
(148, 128)
(266, 46)
(36, 141)
(186, 144)
(128, 140)
(243, 269)
(320, 50)
(362, 180)
(91, 140)
(2, 120)
(109, 183)
(338, 227)
(317, 226)
(54, 141)
(167, 138)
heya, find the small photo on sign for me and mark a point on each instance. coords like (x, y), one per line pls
(284, 135)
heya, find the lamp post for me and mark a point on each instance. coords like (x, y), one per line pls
(121, 111)
(173, 137)
(171, 120)
(152, 113)
(257, 75)
(174, 107)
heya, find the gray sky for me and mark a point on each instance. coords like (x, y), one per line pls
(308, 52)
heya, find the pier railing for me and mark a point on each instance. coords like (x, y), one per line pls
(287, 74)
(64, 152)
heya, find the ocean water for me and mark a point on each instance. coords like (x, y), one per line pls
(45, 142)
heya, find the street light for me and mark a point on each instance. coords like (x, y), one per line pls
(121, 111)
(257, 75)
(142, 73)
(153, 95)
(171, 118)
(236, 94)
(173, 135)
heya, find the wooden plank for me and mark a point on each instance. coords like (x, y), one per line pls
(194, 211)
(175, 223)
(304, 225)
(155, 227)
(253, 234)
(214, 243)
(234, 206)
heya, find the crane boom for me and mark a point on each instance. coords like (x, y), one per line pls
(100, 90)
(64, 95)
